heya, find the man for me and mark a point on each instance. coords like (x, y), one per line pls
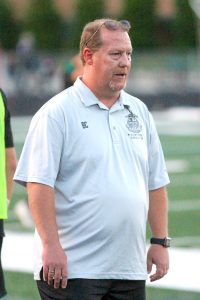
(7, 169)
(94, 171)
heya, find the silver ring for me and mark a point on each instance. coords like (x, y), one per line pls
(52, 272)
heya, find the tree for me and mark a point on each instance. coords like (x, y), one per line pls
(141, 15)
(86, 11)
(184, 26)
(46, 25)
(9, 30)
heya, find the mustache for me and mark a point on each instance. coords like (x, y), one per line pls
(121, 72)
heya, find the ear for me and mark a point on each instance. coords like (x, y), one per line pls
(88, 56)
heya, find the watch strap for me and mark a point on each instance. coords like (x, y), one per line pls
(165, 242)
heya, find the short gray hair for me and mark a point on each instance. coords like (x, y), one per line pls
(91, 34)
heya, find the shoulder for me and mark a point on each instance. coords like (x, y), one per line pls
(56, 104)
(3, 96)
(55, 110)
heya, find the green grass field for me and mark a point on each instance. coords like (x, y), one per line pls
(182, 153)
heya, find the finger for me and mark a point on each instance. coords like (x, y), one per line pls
(45, 273)
(57, 278)
(158, 274)
(155, 277)
(64, 280)
(51, 274)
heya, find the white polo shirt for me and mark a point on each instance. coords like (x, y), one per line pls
(102, 163)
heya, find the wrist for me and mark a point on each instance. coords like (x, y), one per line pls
(164, 242)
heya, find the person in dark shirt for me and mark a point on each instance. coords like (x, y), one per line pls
(7, 168)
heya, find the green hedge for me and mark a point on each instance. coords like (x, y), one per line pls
(148, 31)
(45, 23)
(9, 28)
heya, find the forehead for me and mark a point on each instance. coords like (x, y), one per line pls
(115, 38)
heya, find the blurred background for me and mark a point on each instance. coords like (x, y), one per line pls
(38, 38)
(38, 42)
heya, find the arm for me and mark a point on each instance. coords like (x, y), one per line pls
(11, 163)
(41, 202)
(10, 154)
(158, 221)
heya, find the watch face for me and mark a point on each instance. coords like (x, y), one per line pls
(167, 242)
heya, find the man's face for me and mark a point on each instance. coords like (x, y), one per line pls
(112, 62)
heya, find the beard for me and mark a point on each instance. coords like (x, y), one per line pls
(114, 86)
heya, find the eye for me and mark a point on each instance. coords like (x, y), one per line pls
(129, 55)
(116, 55)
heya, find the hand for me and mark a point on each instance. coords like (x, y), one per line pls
(55, 266)
(159, 256)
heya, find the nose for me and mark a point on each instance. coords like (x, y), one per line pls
(125, 60)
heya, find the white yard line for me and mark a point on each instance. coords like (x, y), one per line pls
(17, 252)
(185, 180)
(184, 205)
(178, 128)
(183, 121)
(177, 165)
(184, 274)
(186, 240)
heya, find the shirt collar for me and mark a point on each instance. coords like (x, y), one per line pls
(88, 98)
(85, 94)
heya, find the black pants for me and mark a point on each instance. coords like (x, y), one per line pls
(94, 289)
(2, 283)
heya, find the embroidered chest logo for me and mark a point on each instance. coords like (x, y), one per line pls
(133, 124)
(84, 125)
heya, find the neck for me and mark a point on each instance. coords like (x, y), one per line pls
(107, 98)
(108, 101)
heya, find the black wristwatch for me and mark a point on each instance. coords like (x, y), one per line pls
(165, 242)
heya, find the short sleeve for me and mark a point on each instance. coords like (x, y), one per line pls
(41, 154)
(158, 175)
